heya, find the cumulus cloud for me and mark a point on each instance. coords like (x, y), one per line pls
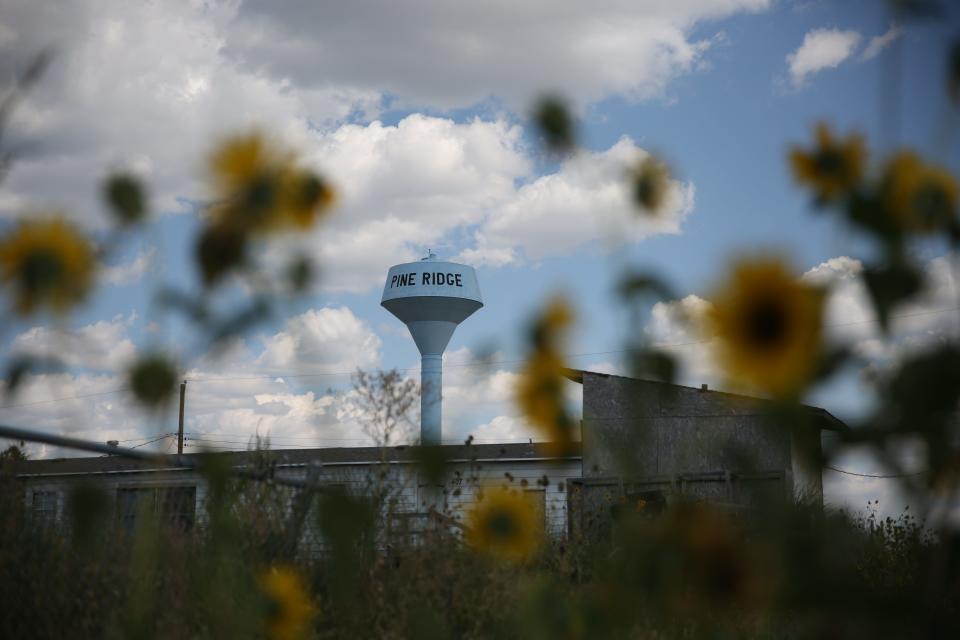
(821, 49)
(253, 388)
(431, 52)
(141, 86)
(407, 186)
(881, 42)
(130, 272)
(150, 86)
(321, 339)
(102, 346)
(426, 180)
(586, 199)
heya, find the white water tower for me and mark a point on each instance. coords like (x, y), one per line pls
(431, 297)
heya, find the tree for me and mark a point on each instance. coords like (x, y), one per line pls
(384, 403)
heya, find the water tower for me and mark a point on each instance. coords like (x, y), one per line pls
(431, 297)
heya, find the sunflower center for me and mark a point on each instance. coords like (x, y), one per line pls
(501, 525)
(931, 205)
(41, 271)
(259, 200)
(647, 192)
(829, 162)
(766, 324)
(309, 192)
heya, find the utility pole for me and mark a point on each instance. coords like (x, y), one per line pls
(183, 395)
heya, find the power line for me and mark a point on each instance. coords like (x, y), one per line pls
(872, 475)
(143, 444)
(77, 397)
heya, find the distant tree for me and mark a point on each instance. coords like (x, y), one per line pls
(384, 404)
(13, 453)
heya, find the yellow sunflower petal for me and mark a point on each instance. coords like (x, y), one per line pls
(504, 524)
(767, 327)
(48, 263)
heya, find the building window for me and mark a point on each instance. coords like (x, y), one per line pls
(43, 509)
(176, 506)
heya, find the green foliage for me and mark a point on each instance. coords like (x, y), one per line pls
(552, 117)
(124, 194)
(152, 380)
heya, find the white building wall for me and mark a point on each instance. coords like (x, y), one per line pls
(406, 490)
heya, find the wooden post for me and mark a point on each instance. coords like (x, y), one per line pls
(183, 395)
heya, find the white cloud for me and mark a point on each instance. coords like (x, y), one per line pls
(405, 187)
(151, 86)
(588, 198)
(230, 399)
(426, 180)
(676, 327)
(328, 339)
(430, 52)
(821, 49)
(130, 272)
(138, 85)
(102, 346)
(881, 42)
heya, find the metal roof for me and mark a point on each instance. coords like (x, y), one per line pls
(827, 420)
(296, 457)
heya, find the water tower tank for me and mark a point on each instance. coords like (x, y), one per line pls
(431, 297)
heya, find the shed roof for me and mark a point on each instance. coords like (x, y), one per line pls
(824, 418)
(295, 457)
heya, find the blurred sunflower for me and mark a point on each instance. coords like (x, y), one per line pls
(152, 379)
(920, 197)
(303, 196)
(768, 327)
(504, 524)
(717, 569)
(539, 391)
(259, 188)
(651, 179)
(48, 263)
(291, 608)
(833, 167)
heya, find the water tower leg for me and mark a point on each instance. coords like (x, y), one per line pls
(431, 389)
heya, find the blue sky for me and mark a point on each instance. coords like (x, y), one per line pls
(421, 114)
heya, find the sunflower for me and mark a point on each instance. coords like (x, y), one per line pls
(920, 197)
(291, 608)
(260, 188)
(651, 178)
(703, 561)
(768, 327)
(152, 380)
(504, 524)
(833, 167)
(303, 196)
(48, 263)
(539, 391)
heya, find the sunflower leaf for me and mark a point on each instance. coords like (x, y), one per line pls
(653, 364)
(193, 308)
(890, 286)
(637, 284)
(26, 364)
(552, 117)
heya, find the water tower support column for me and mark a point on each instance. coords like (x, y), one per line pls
(431, 399)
